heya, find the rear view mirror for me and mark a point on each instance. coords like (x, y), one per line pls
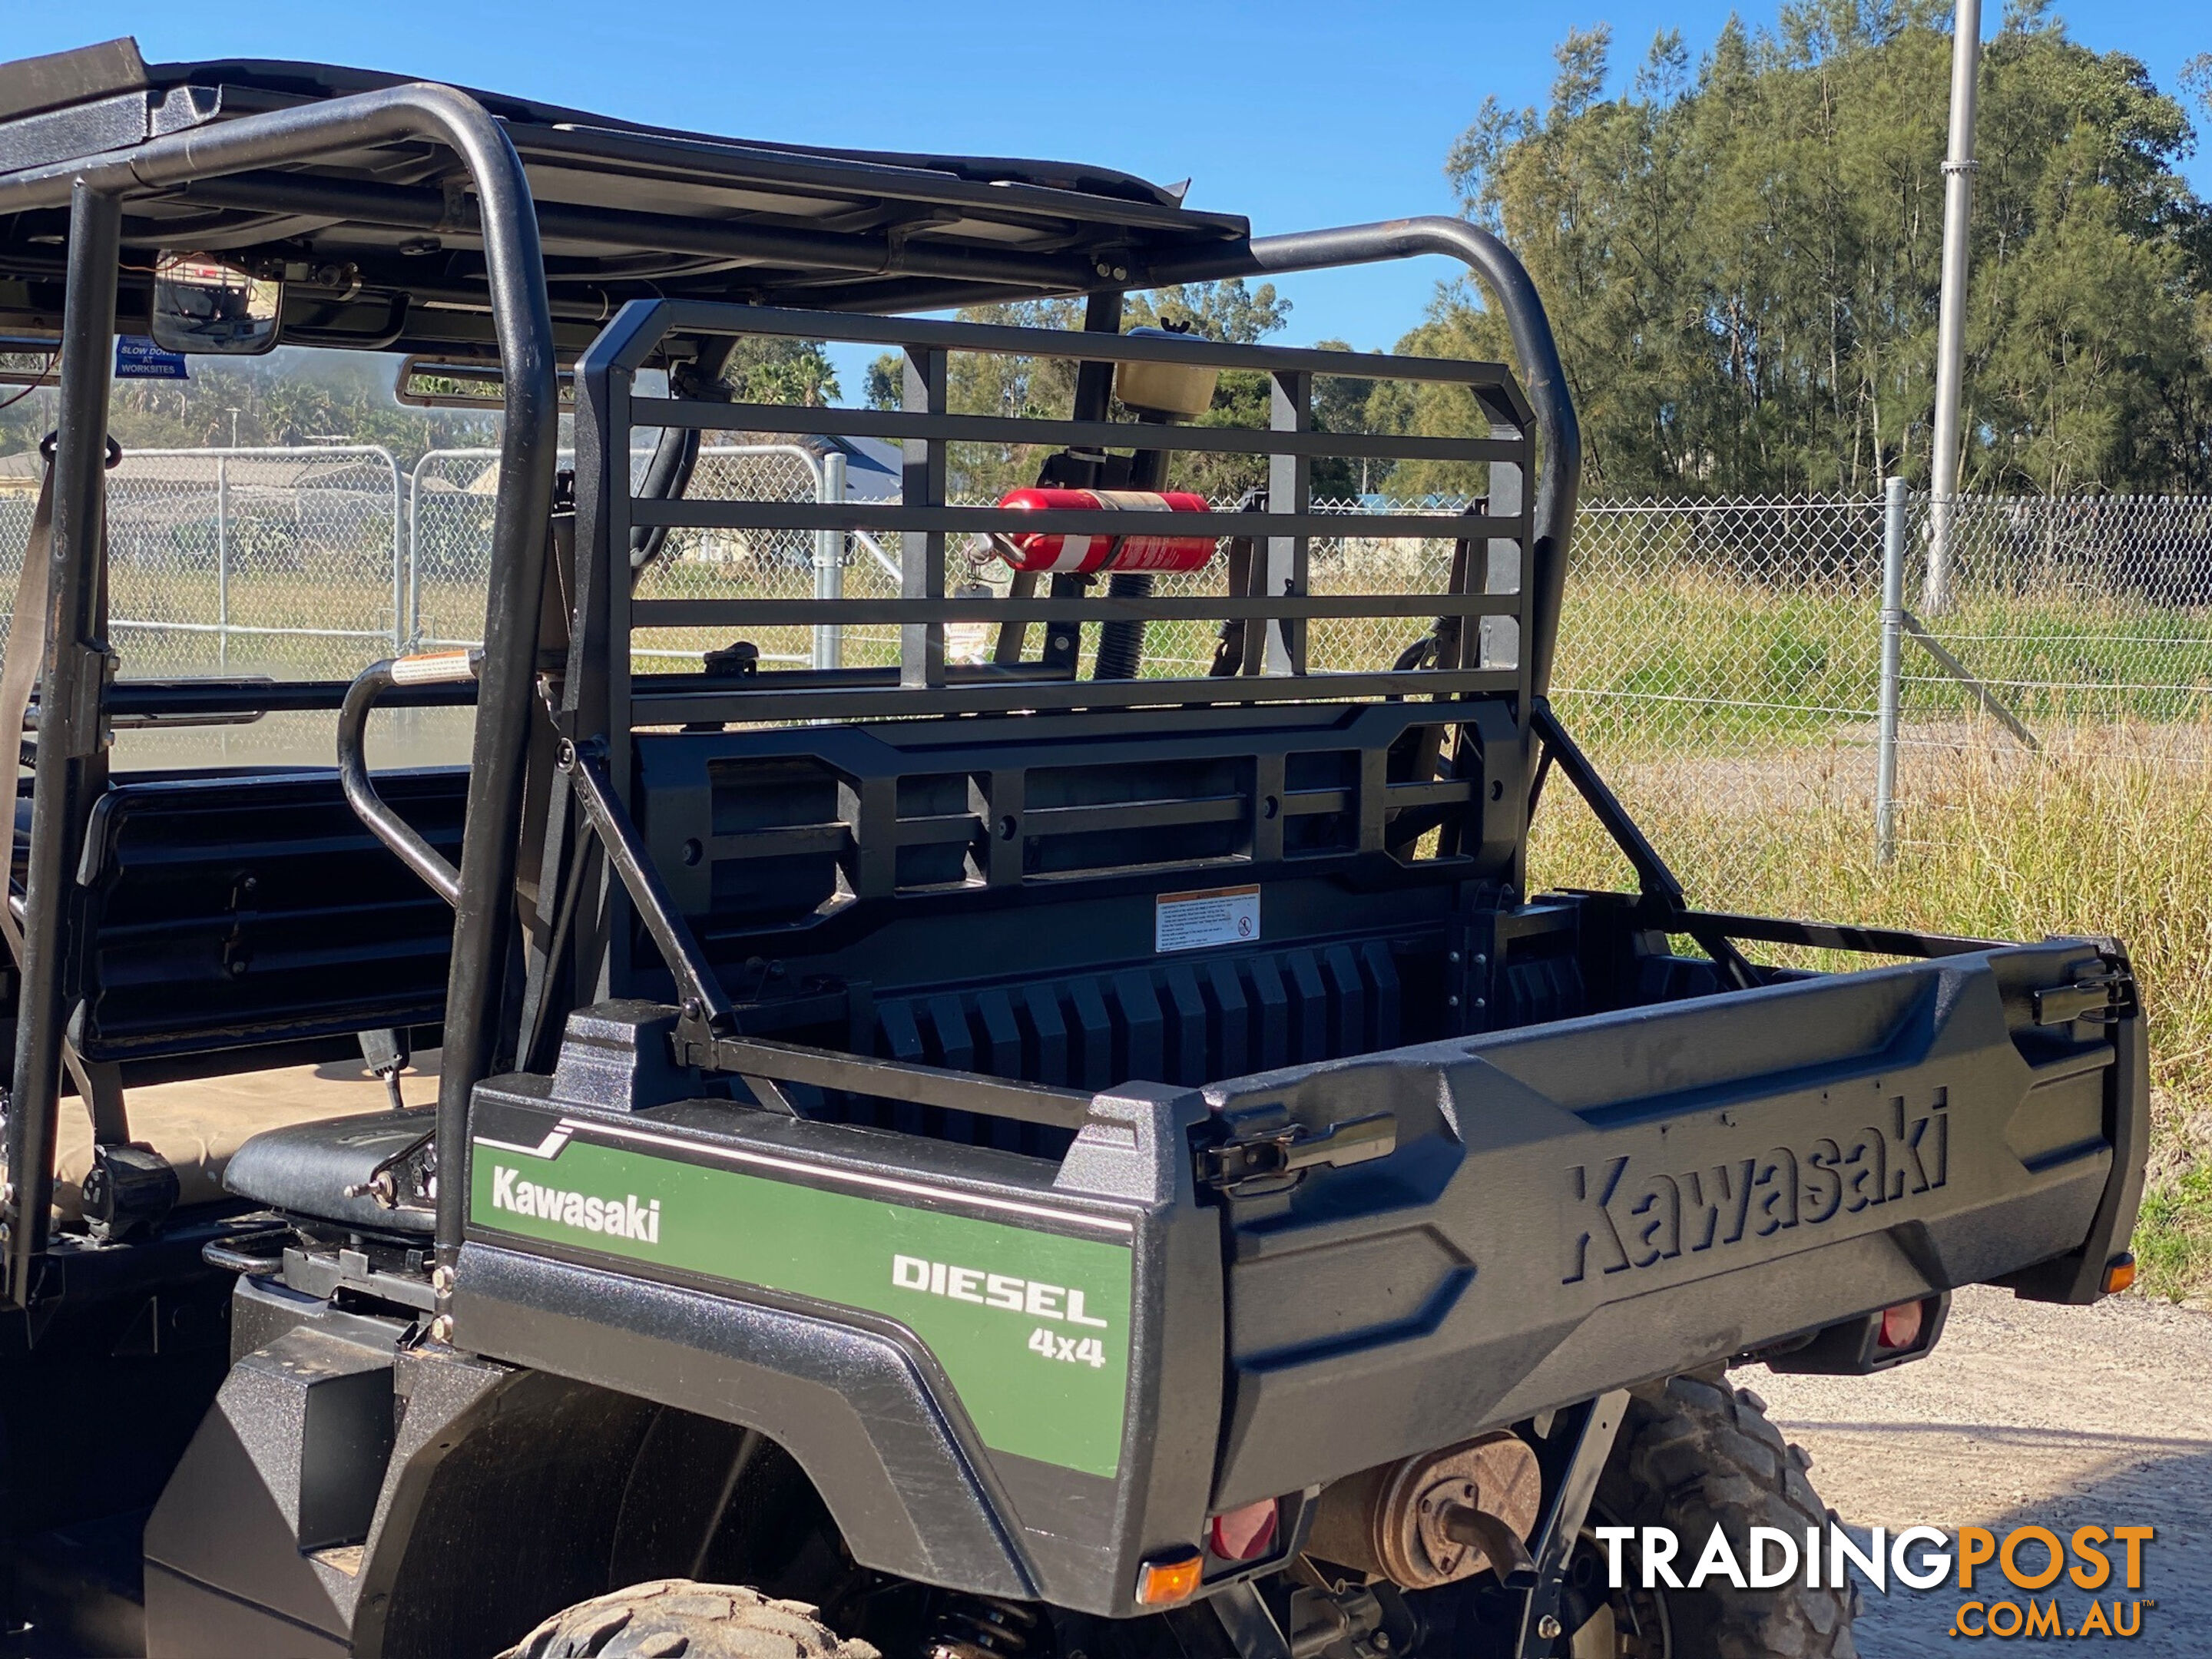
(441, 383)
(204, 307)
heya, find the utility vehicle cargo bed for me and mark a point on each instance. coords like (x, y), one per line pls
(1568, 1207)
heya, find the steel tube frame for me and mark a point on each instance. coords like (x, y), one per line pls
(1543, 376)
(1893, 645)
(386, 825)
(523, 322)
(1958, 166)
(70, 746)
(829, 563)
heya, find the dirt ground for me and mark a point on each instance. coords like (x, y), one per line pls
(2027, 1414)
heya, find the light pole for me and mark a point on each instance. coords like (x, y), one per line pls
(1959, 165)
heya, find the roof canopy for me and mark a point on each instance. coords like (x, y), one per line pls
(380, 246)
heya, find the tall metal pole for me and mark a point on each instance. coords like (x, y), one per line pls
(400, 638)
(223, 562)
(1893, 643)
(71, 739)
(829, 563)
(1958, 166)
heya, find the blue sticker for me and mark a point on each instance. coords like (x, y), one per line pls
(137, 358)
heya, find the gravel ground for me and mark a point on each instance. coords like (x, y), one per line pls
(2027, 1414)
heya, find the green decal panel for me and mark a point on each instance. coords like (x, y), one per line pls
(1031, 1327)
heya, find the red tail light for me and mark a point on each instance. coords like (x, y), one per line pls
(1243, 1534)
(1900, 1327)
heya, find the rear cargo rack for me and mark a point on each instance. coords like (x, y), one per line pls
(1276, 604)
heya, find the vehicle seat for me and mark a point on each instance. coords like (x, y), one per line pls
(200, 1125)
(306, 1169)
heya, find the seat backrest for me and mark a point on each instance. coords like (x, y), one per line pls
(225, 910)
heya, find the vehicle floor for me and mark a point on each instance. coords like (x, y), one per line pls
(2026, 1414)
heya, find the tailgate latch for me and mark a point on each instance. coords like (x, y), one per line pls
(2103, 994)
(1265, 1147)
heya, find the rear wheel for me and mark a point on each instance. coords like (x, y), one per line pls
(1699, 1456)
(680, 1619)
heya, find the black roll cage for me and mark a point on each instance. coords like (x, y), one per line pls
(255, 161)
(70, 749)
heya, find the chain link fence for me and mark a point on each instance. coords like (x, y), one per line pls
(1721, 660)
(286, 562)
(451, 494)
(2083, 617)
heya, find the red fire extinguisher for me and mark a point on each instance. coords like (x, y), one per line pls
(1135, 549)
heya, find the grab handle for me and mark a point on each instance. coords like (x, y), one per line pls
(428, 668)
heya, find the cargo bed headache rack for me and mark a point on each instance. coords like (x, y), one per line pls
(923, 520)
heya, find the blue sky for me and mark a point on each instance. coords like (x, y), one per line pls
(1296, 114)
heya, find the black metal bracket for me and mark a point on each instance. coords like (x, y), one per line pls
(706, 1010)
(1266, 1151)
(2103, 996)
(1556, 1539)
(1662, 887)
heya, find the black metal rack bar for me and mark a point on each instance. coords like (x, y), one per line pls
(941, 519)
(829, 421)
(702, 317)
(1158, 607)
(891, 701)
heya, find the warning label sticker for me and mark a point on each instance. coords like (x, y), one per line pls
(1219, 916)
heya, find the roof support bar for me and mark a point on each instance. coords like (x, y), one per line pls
(484, 923)
(70, 748)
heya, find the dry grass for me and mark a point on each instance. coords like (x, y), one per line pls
(2112, 834)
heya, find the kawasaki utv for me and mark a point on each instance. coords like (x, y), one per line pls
(1053, 1126)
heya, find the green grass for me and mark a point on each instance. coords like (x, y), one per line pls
(2173, 1239)
(1666, 660)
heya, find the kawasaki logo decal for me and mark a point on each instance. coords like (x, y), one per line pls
(1031, 1327)
(1621, 1217)
(622, 1217)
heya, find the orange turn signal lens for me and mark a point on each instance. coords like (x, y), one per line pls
(2119, 1274)
(1174, 1578)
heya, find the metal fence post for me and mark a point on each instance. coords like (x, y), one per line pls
(830, 564)
(399, 644)
(1892, 630)
(223, 562)
(415, 548)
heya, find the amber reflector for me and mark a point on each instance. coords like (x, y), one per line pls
(1161, 1584)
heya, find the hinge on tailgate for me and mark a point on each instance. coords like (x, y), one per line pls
(1265, 1146)
(2103, 994)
